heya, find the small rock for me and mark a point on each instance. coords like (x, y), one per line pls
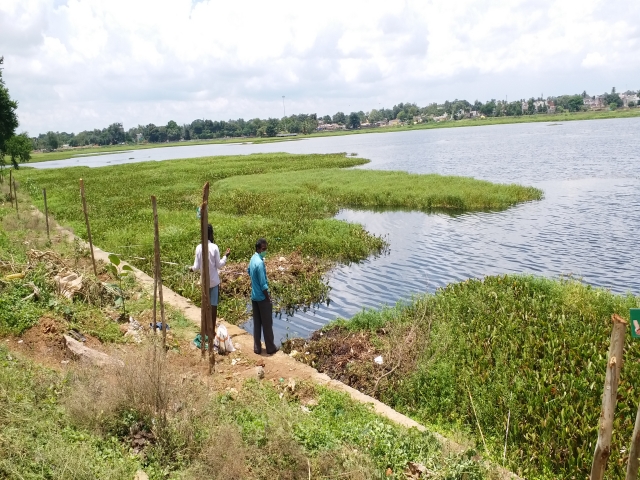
(64, 362)
(234, 361)
(378, 360)
(20, 341)
(291, 385)
(305, 409)
(282, 259)
(260, 372)
(140, 475)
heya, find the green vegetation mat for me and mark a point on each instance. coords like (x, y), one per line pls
(289, 199)
(527, 348)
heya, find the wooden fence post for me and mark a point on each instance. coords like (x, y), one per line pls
(609, 398)
(157, 271)
(15, 194)
(46, 211)
(11, 186)
(634, 451)
(86, 219)
(205, 328)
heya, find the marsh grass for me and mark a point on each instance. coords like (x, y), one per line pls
(531, 346)
(289, 199)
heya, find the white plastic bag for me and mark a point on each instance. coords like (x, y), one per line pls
(223, 342)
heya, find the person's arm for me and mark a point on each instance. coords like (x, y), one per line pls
(264, 284)
(197, 263)
(220, 262)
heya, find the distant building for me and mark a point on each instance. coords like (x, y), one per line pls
(417, 119)
(441, 118)
(394, 122)
(628, 97)
(594, 102)
(330, 127)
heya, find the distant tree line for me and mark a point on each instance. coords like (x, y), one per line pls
(204, 129)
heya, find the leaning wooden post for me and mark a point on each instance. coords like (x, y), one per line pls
(205, 280)
(11, 186)
(86, 219)
(609, 398)
(634, 451)
(15, 194)
(46, 211)
(157, 270)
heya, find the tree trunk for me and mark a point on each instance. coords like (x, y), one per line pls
(634, 451)
(609, 398)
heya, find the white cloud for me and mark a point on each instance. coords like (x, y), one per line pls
(81, 64)
(594, 59)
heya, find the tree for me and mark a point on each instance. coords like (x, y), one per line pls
(340, 118)
(353, 121)
(52, 140)
(174, 132)
(8, 117)
(19, 148)
(271, 129)
(614, 98)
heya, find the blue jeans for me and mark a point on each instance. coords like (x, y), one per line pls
(214, 294)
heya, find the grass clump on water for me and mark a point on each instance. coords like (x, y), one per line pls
(530, 347)
(289, 199)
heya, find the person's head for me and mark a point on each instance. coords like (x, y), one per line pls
(261, 247)
(210, 233)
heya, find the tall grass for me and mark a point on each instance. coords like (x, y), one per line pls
(289, 199)
(532, 347)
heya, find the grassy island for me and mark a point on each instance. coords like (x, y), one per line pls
(289, 199)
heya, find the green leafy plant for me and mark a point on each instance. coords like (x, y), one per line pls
(119, 273)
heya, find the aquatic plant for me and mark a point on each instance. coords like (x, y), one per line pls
(289, 199)
(528, 349)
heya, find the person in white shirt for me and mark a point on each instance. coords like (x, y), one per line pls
(215, 264)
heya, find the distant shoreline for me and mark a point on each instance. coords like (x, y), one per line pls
(68, 154)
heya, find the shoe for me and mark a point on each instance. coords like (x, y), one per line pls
(274, 352)
(258, 352)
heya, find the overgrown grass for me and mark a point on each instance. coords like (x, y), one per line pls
(21, 308)
(289, 199)
(261, 431)
(38, 438)
(530, 346)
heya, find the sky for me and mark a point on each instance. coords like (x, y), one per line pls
(82, 64)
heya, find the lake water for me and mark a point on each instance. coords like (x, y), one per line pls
(587, 225)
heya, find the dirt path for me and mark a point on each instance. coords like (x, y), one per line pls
(278, 366)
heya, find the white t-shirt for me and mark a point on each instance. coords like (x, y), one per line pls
(215, 263)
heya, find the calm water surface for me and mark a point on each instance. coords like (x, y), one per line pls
(587, 225)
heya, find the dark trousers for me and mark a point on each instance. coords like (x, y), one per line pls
(263, 323)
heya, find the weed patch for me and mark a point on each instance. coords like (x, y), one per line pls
(528, 347)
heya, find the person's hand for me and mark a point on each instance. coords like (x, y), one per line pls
(226, 254)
